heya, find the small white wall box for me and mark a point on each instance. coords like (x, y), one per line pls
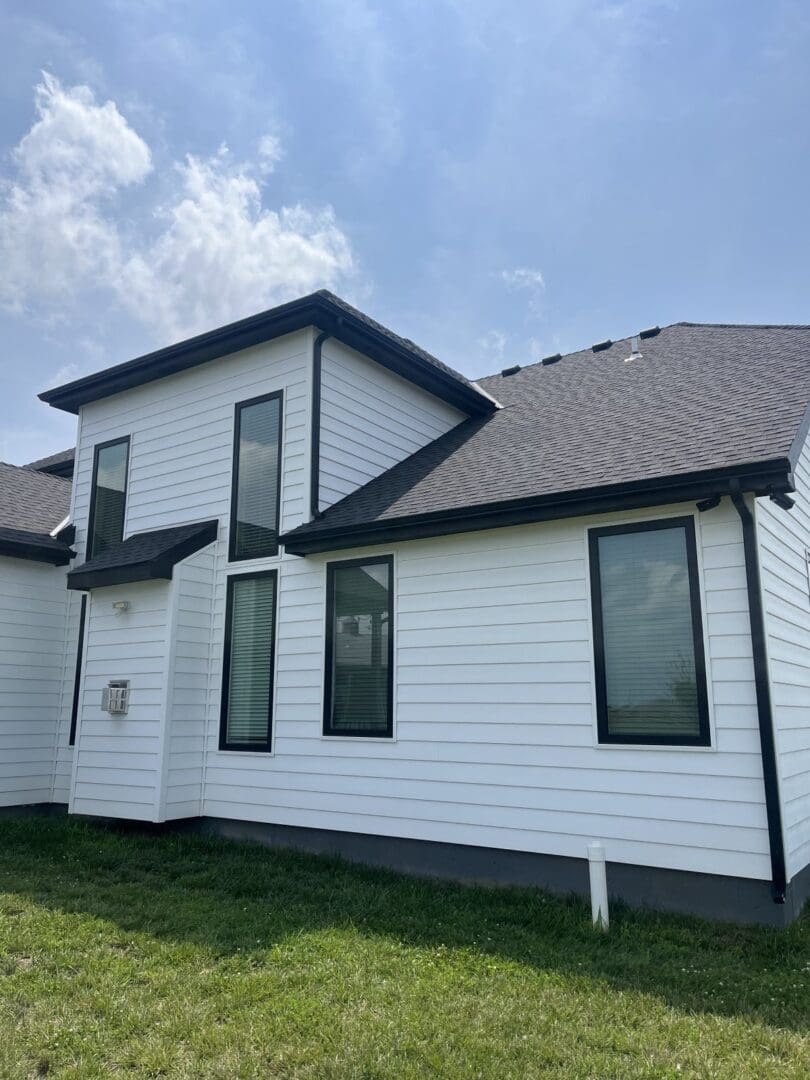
(115, 697)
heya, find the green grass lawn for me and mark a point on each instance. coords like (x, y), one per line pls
(137, 956)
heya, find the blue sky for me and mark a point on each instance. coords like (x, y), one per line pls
(495, 180)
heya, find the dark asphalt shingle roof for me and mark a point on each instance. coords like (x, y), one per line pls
(143, 556)
(700, 398)
(32, 501)
(60, 464)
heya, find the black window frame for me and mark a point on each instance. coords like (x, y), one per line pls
(77, 677)
(237, 428)
(267, 746)
(329, 651)
(91, 518)
(703, 738)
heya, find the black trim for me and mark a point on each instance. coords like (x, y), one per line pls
(77, 676)
(318, 309)
(357, 733)
(88, 576)
(761, 478)
(91, 518)
(315, 432)
(703, 738)
(237, 427)
(265, 747)
(36, 547)
(767, 739)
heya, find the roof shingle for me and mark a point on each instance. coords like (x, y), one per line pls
(700, 398)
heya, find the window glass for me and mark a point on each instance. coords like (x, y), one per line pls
(359, 648)
(248, 665)
(109, 497)
(254, 525)
(650, 680)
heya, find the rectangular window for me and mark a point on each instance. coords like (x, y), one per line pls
(256, 479)
(648, 634)
(359, 648)
(108, 498)
(77, 678)
(247, 669)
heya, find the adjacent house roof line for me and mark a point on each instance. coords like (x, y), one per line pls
(60, 464)
(322, 310)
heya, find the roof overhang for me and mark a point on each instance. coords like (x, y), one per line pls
(315, 310)
(38, 547)
(763, 478)
(143, 557)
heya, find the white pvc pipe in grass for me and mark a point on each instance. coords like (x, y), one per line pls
(599, 894)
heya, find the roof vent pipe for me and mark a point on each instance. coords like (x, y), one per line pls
(635, 349)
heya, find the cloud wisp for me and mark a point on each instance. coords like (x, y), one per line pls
(218, 252)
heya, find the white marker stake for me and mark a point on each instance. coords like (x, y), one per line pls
(599, 893)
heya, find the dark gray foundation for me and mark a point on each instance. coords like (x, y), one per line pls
(710, 896)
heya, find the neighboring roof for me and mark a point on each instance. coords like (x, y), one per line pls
(32, 505)
(60, 464)
(321, 309)
(143, 556)
(702, 404)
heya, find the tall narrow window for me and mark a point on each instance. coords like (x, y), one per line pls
(77, 678)
(648, 634)
(359, 648)
(247, 671)
(108, 497)
(256, 478)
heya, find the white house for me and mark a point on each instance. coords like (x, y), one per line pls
(324, 591)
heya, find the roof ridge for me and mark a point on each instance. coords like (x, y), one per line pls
(745, 326)
(628, 337)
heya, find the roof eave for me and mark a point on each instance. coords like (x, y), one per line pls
(296, 315)
(35, 550)
(760, 478)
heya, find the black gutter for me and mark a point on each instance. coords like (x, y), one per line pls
(36, 547)
(315, 428)
(767, 739)
(318, 309)
(762, 479)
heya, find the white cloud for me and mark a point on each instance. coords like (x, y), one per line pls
(55, 235)
(526, 280)
(218, 254)
(493, 346)
(222, 255)
(270, 152)
(523, 278)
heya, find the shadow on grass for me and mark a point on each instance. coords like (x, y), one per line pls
(226, 897)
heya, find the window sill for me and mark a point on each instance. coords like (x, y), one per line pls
(387, 739)
(669, 747)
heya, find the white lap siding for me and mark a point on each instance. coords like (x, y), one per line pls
(32, 649)
(784, 542)
(495, 740)
(370, 420)
(189, 686)
(118, 759)
(181, 430)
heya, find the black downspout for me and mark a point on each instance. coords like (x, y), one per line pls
(315, 435)
(766, 734)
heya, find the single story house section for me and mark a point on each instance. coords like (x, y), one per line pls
(320, 589)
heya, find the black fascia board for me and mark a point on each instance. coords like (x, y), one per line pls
(161, 567)
(315, 310)
(36, 547)
(760, 478)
